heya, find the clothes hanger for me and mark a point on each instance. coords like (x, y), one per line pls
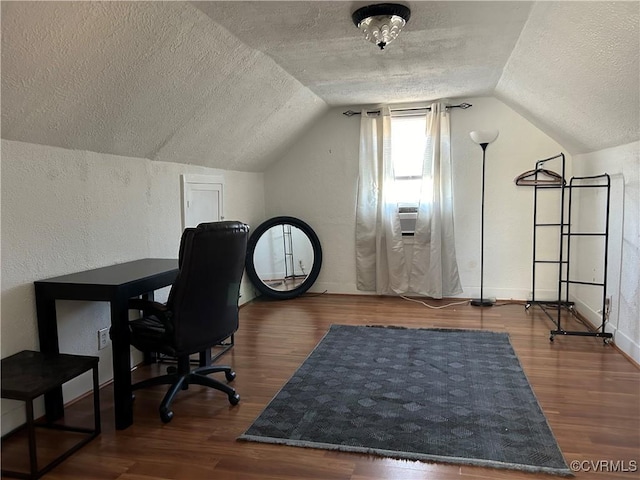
(541, 176)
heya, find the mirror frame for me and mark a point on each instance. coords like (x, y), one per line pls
(317, 258)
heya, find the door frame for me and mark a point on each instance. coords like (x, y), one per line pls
(187, 179)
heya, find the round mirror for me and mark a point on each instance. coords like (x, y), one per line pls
(283, 257)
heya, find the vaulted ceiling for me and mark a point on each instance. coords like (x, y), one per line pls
(233, 84)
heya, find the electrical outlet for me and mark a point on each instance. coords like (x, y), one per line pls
(103, 338)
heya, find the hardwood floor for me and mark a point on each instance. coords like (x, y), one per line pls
(589, 392)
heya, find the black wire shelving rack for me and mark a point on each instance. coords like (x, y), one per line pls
(566, 238)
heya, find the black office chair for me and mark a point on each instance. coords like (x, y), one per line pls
(201, 311)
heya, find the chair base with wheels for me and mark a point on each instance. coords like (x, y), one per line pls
(183, 377)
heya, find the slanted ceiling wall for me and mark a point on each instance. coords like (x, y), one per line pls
(575, 73)
(156, 80)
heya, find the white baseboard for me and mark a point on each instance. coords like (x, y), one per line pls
(514, 294)
(620, 339)
(626, 345)
(499, 293)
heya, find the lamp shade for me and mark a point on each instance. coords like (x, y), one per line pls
(484, 136)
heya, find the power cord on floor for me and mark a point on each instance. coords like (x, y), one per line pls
(434, 307)
(512, 302)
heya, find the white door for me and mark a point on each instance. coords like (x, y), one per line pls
(202, 199)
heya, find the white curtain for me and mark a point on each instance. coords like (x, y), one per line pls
(380, 263)
(434, 269)
(380, 249)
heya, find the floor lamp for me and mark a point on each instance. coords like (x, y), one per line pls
(483, 138)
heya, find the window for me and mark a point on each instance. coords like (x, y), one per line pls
(408, 143)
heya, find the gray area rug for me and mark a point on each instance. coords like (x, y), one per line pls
(454, 396)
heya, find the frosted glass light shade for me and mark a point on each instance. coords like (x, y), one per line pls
(484, 136)
(381, 23)
(381, 30)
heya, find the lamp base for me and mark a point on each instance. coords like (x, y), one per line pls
(482, 302)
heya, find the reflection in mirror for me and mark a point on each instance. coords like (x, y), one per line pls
(283, 257)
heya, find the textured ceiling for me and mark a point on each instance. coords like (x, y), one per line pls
(232, 84)
(156, 80)
(575, 73)
(448, 49)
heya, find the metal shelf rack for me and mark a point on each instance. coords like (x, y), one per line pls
(566, 238)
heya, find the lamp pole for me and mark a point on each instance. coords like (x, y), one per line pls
(481, 302)
(483, 139)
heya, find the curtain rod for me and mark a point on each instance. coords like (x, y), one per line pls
(464, 106)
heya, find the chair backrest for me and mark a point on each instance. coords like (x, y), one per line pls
(204, 297)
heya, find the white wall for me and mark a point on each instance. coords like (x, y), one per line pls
(317, 180)
(622, 163)
(65, 211)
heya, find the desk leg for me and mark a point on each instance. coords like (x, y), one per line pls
(149, 357)
(48, 336)
(205, 358)
(121, 364)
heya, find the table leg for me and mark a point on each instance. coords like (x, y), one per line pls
(149, 357)
(121, 364)
(31, 428)
(205, 358)
(48, 336)
(96, 401)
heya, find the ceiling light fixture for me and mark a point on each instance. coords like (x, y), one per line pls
(381, 23)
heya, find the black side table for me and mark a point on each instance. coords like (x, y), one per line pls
(26, 376)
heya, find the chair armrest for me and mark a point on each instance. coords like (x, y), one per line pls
(151, 309)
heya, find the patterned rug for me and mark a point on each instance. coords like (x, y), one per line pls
(454, 396)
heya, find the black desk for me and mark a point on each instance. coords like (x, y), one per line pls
(115, 284)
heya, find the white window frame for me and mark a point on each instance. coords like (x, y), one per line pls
(407, 211)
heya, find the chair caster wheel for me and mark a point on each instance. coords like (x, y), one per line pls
(551, 338)
(230, 376)
(166, 415)
(234, 399)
